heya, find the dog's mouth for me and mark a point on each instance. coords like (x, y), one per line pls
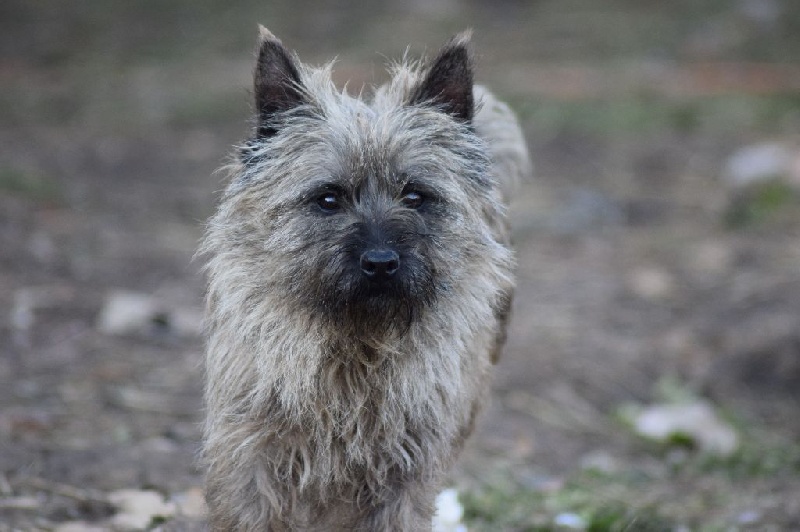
(379, 304)
(383, 297)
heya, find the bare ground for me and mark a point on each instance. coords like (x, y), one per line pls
(635, 274)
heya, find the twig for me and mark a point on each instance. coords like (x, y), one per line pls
(5, 487)
(65, 490)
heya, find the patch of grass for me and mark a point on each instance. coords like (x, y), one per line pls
(650, 488)
(30, 186)
(503, 507)
(759, 204)
(600, 502)
(753, 460)
(157, 520)
(650, 113)
(689, 495)
(618, 518)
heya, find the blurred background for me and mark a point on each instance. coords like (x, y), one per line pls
(652, 376)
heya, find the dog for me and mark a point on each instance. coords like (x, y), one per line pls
(360, 278)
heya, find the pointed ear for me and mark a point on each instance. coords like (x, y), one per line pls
(447, 83)
(276, 82)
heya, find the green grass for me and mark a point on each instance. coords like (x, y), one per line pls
(753, 460)
(651, 488)
(647, 113)
(760, 204)
(28, 185)
(602, 502)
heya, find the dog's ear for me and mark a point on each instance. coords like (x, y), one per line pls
(276, 82)
(447, 83)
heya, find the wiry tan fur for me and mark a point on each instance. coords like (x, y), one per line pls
(317, 423)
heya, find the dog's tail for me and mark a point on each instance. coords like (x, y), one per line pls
(496, 123)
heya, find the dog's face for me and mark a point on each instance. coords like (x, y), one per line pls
(374, 256)
(363, 213)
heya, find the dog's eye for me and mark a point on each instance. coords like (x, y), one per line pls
(329, 202)
(412, 199)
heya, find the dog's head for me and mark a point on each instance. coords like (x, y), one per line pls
(364, 212)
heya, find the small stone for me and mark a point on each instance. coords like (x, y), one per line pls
(696, 421)
(749, 517)
(652, 283)
(137, 508)
(570, 520)
(19, 503)
(22, 309)
(79, 526)
(758, 163)
(127, 313)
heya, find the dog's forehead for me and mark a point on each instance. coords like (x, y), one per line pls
(366, 142)
(362, 137)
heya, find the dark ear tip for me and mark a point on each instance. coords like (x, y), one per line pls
(276, 81)
(269, 43)
(447, 82)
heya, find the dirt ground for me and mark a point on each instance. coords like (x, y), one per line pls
(645, 269)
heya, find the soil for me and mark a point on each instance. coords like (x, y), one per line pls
(115, 117)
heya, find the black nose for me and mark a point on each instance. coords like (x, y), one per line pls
(380, 264)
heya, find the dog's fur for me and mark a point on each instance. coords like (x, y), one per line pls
(337, 400)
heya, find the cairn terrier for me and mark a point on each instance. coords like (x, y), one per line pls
(360, 278)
